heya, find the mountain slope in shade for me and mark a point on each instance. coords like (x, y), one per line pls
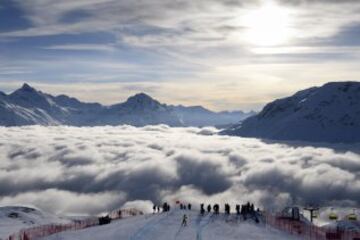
(140, 110)
(200, 116)
(27, 106)
(330, 113)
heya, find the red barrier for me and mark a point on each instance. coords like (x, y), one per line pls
(47, 230)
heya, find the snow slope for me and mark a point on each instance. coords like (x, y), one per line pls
(166, 226)
(14, 218)
(330, 113)
(28, 106)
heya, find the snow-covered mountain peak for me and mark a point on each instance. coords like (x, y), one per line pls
(141, 98)
(142, 101)
(26, 91)
(316, 99)
(27, 106)
(27, 87)
(29, 97)
(330, 113)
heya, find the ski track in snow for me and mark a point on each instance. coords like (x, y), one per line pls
(147, 228)
(200, 226)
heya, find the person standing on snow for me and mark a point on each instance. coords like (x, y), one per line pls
(184, 221)
(202, 210)
(237, 209)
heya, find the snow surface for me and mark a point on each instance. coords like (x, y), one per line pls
(14, 218)
(166, 226)
(330, 113)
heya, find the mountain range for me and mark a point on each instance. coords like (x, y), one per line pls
(330, 113)
(28, 106)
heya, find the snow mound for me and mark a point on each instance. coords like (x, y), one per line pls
(14, 218)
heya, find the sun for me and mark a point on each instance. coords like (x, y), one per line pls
(268, 25)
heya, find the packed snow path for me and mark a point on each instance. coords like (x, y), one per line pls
(167, 226)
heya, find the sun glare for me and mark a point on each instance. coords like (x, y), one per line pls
(268, 25)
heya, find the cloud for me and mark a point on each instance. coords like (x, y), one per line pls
(164, 46)
(91, 170)
(145, 206)
(169, 23)
(82, 47)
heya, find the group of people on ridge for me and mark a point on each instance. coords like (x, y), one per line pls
(216, 208)
(183, 206)
(165, 208)
(246, 210)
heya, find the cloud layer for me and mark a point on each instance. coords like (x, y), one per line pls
(92, 170)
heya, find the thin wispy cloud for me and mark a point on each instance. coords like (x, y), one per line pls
(82, 47)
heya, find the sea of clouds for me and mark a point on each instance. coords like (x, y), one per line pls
(91, 170)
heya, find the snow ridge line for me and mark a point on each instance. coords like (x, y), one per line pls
(148, 227)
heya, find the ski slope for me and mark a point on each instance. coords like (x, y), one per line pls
(167, 226)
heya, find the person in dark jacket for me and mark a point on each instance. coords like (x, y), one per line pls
(237, 209)
(202, 210)
(184, 221)
(227, 208)
(166, 207)
(216, 208)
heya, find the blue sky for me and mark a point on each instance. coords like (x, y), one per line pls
(223, 54)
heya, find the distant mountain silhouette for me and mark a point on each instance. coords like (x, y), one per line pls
(27, 106)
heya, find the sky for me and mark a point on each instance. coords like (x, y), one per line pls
(222, 54)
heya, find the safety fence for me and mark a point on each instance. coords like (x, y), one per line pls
(38, 232)
(308, 231)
